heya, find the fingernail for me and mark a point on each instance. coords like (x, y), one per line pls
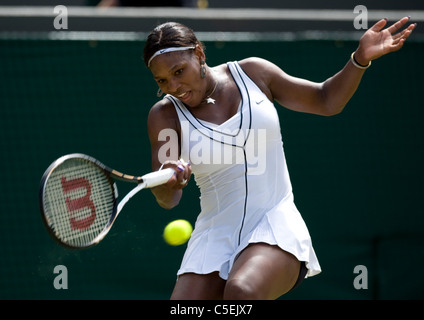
(180, 167)
(189, 163)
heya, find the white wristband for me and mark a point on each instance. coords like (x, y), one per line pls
(356, 64)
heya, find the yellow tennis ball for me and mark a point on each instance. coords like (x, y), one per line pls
(177, 232)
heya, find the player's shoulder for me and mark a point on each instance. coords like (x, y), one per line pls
(162, 108)
(261, 71)
(258, 68)
(162, 112)
(253, 63)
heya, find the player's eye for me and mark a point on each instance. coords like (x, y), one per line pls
(178, 72)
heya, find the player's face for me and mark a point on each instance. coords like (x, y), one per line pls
(178, 74)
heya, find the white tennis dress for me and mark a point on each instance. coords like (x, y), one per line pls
(246, 193)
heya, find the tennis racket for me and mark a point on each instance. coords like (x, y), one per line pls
(78, 198)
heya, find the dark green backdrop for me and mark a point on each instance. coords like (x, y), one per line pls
(357, 176)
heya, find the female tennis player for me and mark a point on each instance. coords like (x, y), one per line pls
(249, 240)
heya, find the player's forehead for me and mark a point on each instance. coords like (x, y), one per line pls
(168, 63)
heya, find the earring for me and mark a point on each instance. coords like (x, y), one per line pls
(202, 69)
(159, 93)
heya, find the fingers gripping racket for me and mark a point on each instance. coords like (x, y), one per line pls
(78, 198)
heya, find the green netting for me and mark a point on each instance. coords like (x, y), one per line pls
(357, 176)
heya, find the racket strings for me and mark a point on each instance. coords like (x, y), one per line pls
(79, 202)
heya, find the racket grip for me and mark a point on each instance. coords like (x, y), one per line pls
(157, 178)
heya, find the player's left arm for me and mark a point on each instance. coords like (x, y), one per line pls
(328, 97)
(374, 43)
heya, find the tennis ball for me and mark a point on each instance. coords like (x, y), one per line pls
(177, 232)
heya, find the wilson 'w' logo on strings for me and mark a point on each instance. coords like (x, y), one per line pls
(78, 204)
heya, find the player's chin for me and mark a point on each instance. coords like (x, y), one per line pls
(191, 99)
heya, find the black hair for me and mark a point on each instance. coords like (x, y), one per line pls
(167, 35)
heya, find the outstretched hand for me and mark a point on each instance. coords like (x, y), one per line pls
(377, 42)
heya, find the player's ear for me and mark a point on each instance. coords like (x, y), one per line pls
(198, 51)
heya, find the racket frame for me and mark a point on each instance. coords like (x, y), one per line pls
(110, 173)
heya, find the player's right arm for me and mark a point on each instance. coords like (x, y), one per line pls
(163, 122)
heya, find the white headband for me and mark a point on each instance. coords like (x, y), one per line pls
(172, 49)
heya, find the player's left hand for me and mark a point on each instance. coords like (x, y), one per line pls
(377, 42)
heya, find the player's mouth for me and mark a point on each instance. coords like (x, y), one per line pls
(185, 96)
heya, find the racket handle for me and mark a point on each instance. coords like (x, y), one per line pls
(157, 178)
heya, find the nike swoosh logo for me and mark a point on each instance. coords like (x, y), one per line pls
(259, 102)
